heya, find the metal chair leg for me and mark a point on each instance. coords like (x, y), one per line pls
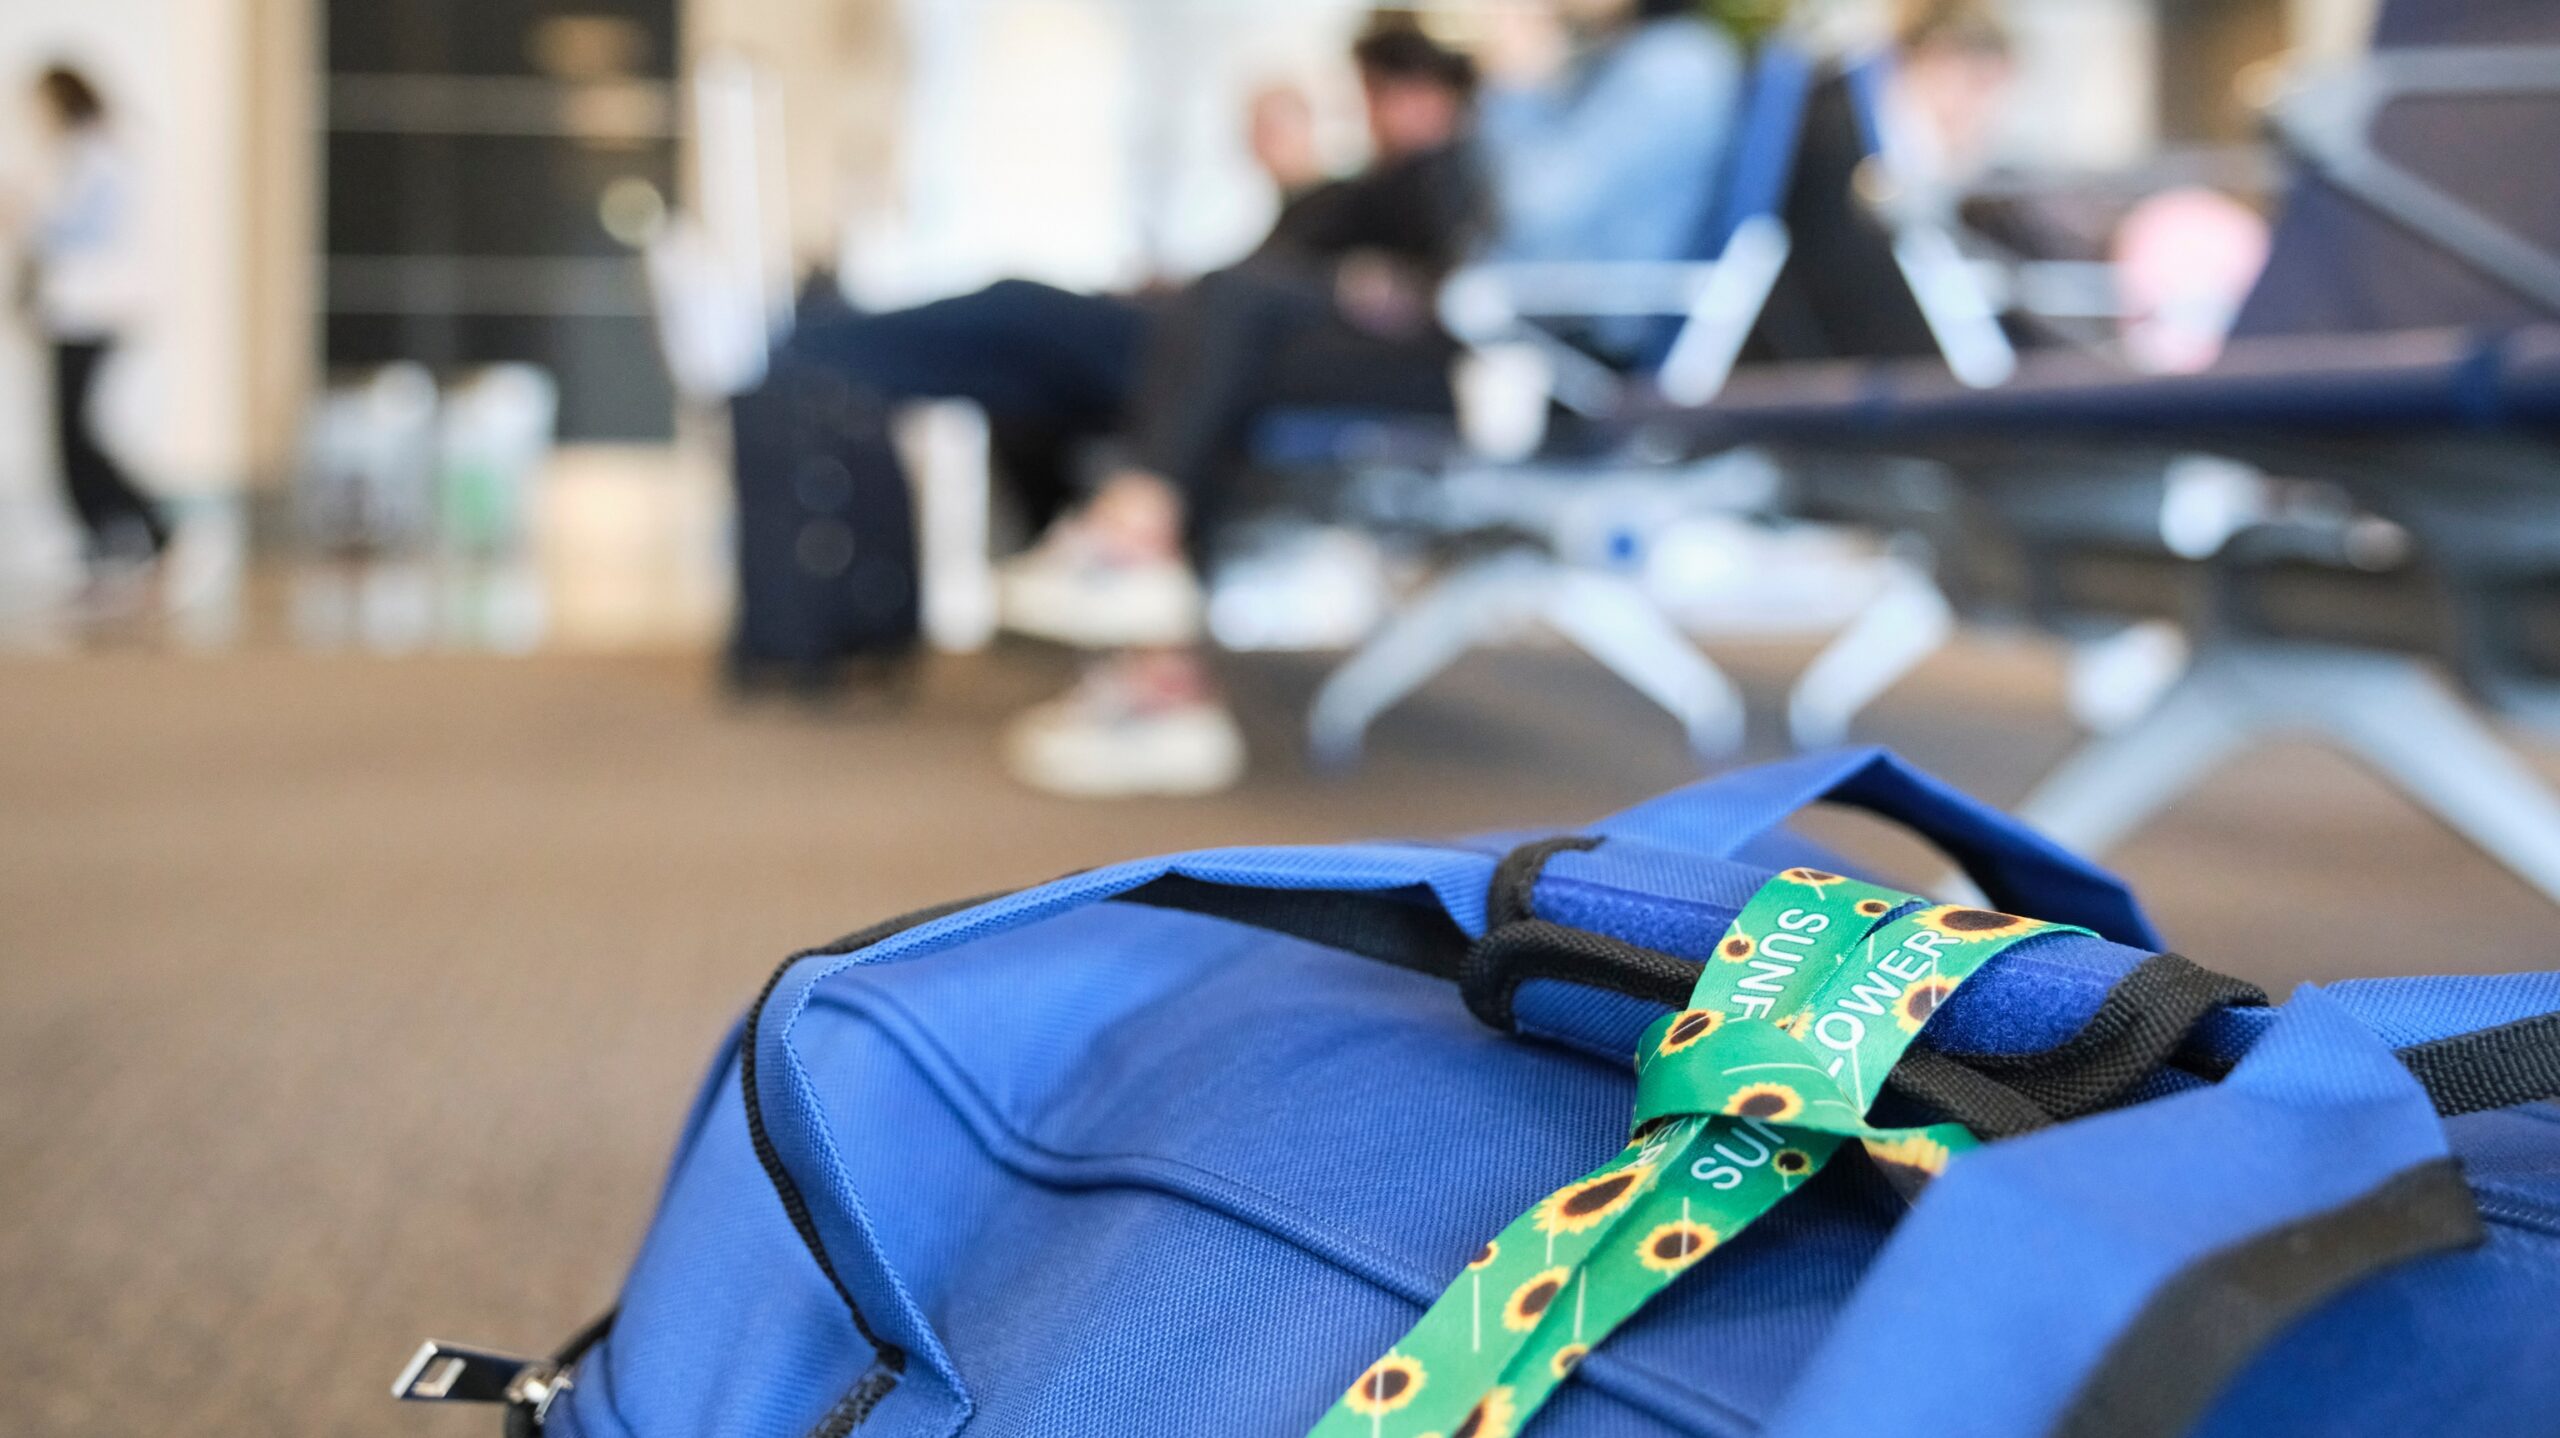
(2410, 726)
(2393, 713)
(1483, 600)
(1906, 622)
(2114, 782)
(1479, 601)
(1609, 618)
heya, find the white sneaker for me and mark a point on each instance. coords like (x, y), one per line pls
(1091, 743)
(1073, 592)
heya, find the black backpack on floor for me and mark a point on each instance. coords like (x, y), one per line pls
(827, 583)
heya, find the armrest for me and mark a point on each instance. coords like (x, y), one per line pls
(1717, 302)
(1489, 295)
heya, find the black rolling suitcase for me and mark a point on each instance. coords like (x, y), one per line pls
(826, 535)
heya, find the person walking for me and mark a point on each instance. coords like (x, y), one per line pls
(80, 293)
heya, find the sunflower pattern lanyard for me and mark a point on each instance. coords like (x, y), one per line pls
(1816, 988)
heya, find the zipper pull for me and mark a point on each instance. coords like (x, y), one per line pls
(444, 1373)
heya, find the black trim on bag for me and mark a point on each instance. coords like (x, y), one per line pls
(1947, 1087)
(854, 1409)
(1373, 924)
(2494, 1068)
(2163, 1373)
(2514, 1063)
(2137, 1030)
(520, 1419)
(891, 1359)
(1514, 953)
(1515, 879)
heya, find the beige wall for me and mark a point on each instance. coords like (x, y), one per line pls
(2330, 29)
(281, 230)
(840, 66)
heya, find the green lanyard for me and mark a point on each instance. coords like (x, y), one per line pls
(1814, 991)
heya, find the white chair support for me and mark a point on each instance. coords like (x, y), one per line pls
(944, 444)
(1907, 621)
(2394, 713)
(1495, 597)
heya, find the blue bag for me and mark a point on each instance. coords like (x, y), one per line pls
(1178, 1146)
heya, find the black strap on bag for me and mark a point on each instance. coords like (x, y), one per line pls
(2140, 1028)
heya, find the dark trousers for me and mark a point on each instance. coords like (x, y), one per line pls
(1243, 341)
(1187, 375)
(1051, 367)
(117, 518)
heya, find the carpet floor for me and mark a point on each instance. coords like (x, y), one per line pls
(348, 1001)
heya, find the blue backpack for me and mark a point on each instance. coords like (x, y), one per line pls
(1179, 1146)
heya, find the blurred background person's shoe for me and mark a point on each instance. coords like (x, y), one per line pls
(1135, 724)
(1077, 588)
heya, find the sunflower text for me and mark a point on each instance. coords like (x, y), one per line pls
(1723, 1166)
(1873, 994)
(1758, 992)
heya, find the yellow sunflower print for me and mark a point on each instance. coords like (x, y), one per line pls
(1688, 1028)
(1673, 1246)
(1486, 1255)
(1796, 1023)
(1566, 1357)
(1919, 1001)
(1391, 1383)
(1792, 1162)
(1956, 921)
(1810, 878)
(1736, 946)
(1529, 1301)
(1588, 1202)
(1909, 1161)
(1492, 1417)
(1769, 1102)
(1873, 908)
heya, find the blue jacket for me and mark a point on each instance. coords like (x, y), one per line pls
(1619, 159)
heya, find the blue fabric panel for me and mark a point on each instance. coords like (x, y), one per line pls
(2486, 1314)
(2335, 267)
(2050, 1244)
(729, 1327)
(796, 1116)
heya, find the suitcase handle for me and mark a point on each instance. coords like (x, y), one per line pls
(2018, 868)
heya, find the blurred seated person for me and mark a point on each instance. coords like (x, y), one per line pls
(1038, 448)
(1280, 131)
(1902, 133)
(1053, 366)
(1606, 123)
(1603, 135)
